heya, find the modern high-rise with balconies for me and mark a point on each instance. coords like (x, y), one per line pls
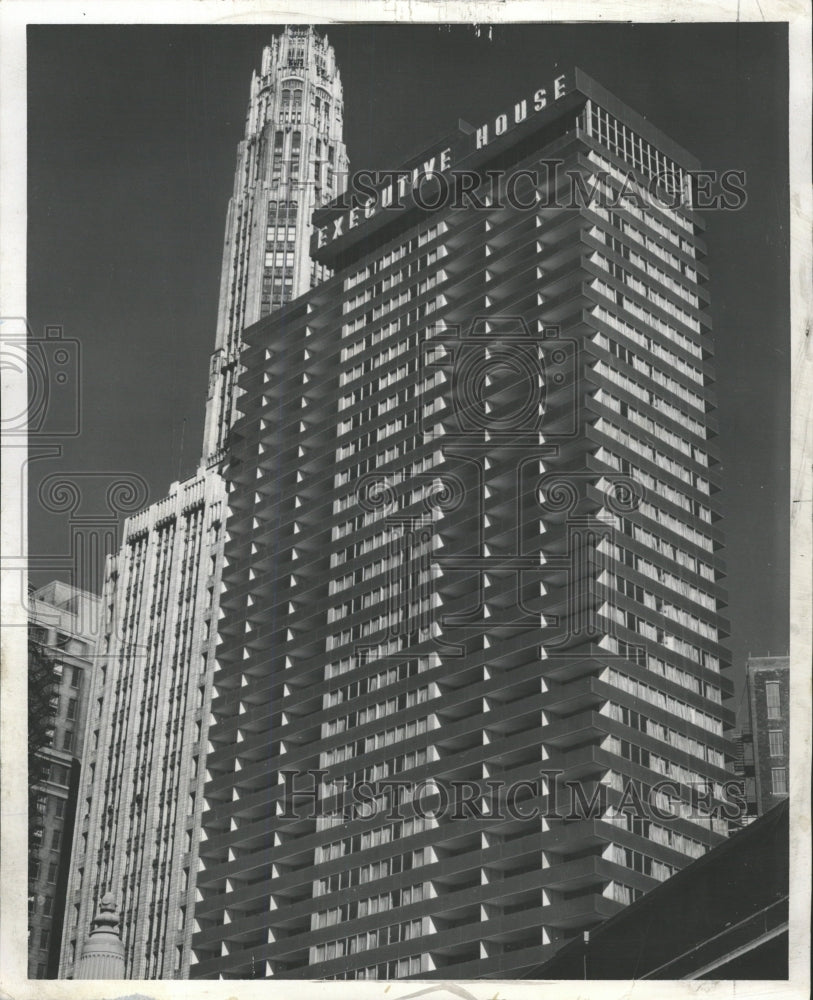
(468, 699)
(144, 764)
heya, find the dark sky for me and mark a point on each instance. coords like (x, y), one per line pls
(131, 142)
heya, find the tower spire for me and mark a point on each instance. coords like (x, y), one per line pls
(291, 160)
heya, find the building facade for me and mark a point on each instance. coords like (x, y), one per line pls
(744, 770)
(63, 623)
(473, 564)
(767, 680)
(146, 732)
(137, 836)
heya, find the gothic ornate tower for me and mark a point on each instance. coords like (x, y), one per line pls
(291, 160)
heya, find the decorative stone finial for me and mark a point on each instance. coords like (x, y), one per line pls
(103, 951)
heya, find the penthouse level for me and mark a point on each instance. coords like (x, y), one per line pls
(390, 200)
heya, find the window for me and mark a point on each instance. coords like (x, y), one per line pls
(44, 936)
(779, 781)
(71, 713)
(40, 970)
(56, 839)
(52, 872)
(47, 905)
(76, 677)
(772, 699)
(776, 743)
(59, 808)
(67, 740)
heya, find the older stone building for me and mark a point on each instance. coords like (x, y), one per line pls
(63, 629)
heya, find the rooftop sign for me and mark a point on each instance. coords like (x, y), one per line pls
(427, 182)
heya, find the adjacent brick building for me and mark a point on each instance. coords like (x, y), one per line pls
(63, 626)
(767, 681)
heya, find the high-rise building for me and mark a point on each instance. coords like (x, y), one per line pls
(63, 632)
(144, 766)
(468, 699)
(146, 732)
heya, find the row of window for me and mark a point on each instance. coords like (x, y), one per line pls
(650, 269)
(684, 679)
(393, 934)
(673, 805)
(653, 246)
(643, 450)
(638, 862)
(638, 196)
(35, 867)
(647, 159)
(661, 700)
(356, 688)
(631, 333)
(652, 428)
(671, 611)
(669, 769)
(394, 255)
(665, 836)
(629, 357)
(635, 388)
(627, 278)
(415, 269)
(687, 744)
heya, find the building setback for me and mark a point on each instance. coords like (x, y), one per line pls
(473, 537)
(63, 623)
(144, 767)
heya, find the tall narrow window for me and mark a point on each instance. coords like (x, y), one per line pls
(779, 780)
(772, 699)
